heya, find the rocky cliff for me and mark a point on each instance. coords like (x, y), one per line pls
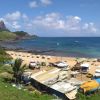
(2, 25)
(6, 34)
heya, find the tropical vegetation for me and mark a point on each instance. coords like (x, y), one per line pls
(92, 96)
(4, 57)
(7, 92)
(18, 70)
(14, 71)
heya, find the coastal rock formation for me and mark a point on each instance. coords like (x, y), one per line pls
(2, 25)
(6, 34)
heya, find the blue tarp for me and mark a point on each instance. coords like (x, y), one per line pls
(98, 80)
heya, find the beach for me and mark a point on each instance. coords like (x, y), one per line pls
(54, 77)
(64, 80)
(28, 57)
(71, 61)
(51, 49)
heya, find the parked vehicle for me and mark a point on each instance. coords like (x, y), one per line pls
(32, 65)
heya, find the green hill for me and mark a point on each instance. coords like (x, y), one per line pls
(24, 35)
(5, 35)
(21, 33)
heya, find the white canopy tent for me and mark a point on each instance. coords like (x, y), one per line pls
(97, 73)
(61, 64)
(84, 67)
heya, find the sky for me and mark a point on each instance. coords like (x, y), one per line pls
(52, 18)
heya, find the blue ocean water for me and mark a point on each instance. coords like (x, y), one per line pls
(64, 46)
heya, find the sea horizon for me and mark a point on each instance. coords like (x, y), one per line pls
(60, 46)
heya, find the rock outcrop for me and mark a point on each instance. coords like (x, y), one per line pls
(6, 34)
(2, 25)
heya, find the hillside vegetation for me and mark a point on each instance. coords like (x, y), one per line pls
(5, 35)
(8, 92)
(20, 33)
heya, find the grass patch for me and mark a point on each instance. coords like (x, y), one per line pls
(7, 92)
(95, 96)
(5, 35)
(5, 68)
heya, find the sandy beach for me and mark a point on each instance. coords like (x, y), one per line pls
(28, 57)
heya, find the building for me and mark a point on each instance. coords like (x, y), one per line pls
(55, 82)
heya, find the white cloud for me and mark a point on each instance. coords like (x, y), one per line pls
(15, 25)
(39, 3)
(69, 24)
(2, 19)
(72, 24)
(55, 22)
(46, 2)
(25, 17)
(33, 4)
(13, 16)
(12, 19)
(16, 16)
(89, 27)
(49, 20)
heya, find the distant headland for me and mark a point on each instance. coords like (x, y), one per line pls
(7, 35)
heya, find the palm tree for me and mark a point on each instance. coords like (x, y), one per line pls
(18, 70)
